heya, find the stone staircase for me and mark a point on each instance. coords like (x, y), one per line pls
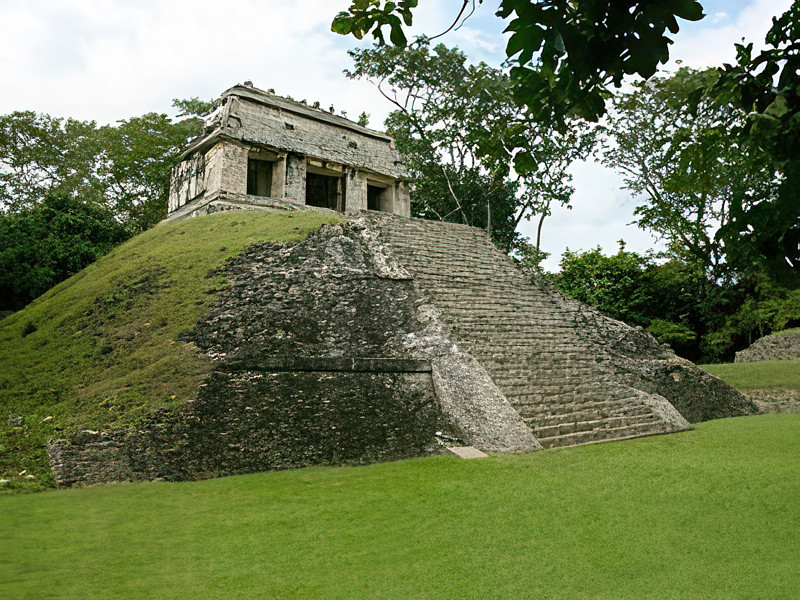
(526, 336)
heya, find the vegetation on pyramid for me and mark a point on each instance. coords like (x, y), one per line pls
(103, 348)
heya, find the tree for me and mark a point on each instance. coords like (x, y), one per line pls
(40, 153)
(43, 244)
(673, 299)
(134, 165)
(613, 284)
(124, 166)
(565, 55)
(460, 130)
(701, 318)
(70, 191)
(767, 88)
(193, 107)
(684, 166)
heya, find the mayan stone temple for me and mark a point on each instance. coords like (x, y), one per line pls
(260, 149)
(380, 336)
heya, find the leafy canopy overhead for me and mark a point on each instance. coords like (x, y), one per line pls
(565, 55)
(767, 88)
(686, 170)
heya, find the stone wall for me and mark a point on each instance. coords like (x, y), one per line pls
(250, 120)
(778, 346)
(246, 421)
(186, 182)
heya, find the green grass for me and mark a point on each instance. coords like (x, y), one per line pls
(102, 349)
(710, 513)
(758, 375)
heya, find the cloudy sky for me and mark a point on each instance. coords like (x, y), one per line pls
(112, 59)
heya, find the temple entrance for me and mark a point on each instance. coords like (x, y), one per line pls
(374, 197)
(380, 196)
(259, 177)
(325, 191)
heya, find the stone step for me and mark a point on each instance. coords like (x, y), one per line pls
(602, 435)
(608, 410)
(547, 431)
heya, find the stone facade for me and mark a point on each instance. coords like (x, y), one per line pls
(778, 346)
(385, 337)
(258, 145)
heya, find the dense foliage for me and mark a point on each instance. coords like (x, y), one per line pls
(766, 88)
(702, 319)
(685, 169)
(46, 243)
(124, 166)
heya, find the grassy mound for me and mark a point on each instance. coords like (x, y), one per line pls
(710, 513)
(780, 374)
(101, 349)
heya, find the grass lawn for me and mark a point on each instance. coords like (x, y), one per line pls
(758, 375)
(710, 513)
(103, 349)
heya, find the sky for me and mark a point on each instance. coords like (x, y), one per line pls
(106, 60)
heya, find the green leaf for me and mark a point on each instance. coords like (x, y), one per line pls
(689, 10)
(397, 36)
(778, 108)
(342, 23)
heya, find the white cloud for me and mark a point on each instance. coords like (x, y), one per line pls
(601, 215)
(111, 59)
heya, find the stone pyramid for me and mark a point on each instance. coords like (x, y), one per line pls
(384, 337)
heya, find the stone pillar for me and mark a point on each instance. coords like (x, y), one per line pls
(234, 169)
(356, 192)
(402, 199)
(278, 178)
(226, 169)
(386, 199)
(213, 171)
(295, 186)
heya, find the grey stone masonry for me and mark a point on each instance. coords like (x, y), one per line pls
(384, 337)
(550, 356)
(778, 346)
